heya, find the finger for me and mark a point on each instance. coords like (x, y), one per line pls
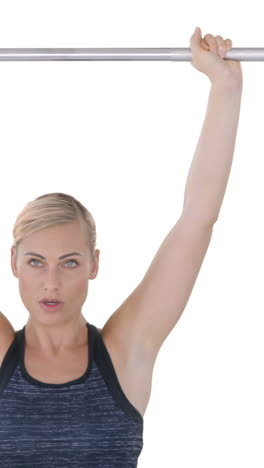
(221, 45)
(228, 44)
(211, 41)
(204, 44)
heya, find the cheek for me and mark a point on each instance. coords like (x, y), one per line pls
(77, 292)
(26, 291)
(25, 278)
(79, 288)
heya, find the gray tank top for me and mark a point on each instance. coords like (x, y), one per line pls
(88, 422)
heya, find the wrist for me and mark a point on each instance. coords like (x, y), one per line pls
(226, 82)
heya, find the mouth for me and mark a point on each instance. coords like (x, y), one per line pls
(50, 300)
(51, 305)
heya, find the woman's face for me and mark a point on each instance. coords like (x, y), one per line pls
(66, 279)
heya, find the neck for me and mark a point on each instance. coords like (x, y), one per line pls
(57, 338)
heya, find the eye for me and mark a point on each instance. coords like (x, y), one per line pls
(35, 260)
(70, 261)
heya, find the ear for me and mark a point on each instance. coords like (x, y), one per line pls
(13, 262)
(95, 267)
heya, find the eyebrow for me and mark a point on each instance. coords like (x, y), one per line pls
(60, 258)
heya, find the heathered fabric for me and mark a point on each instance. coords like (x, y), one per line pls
(87, 422)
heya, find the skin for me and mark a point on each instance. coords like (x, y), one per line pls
(52, 333)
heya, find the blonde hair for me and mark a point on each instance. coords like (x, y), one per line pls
(51, 209)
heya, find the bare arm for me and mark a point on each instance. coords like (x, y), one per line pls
(210, 169)
(5, 325)
(7, 335)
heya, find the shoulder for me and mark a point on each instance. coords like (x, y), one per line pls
(7, 336)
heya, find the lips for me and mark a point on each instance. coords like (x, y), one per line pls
(51, 300)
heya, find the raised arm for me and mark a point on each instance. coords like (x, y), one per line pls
(211, 165)
(148, 315)
(210, 169)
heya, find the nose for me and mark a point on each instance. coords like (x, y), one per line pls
(52, 279)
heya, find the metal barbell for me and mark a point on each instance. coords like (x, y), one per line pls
(180, 54)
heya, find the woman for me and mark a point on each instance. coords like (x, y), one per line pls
(73, 395)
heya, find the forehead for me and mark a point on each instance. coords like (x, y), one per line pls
(67, 235)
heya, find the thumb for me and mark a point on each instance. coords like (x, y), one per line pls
(198, 45)
(196, 38)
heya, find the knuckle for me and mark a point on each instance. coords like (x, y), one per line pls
(217, 41)
(220, 41)
(209, 37)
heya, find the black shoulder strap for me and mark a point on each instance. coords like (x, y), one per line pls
(10, 361)
(94, 331)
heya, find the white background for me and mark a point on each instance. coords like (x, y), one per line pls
(120, 137)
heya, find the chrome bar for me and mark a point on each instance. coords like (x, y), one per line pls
(180, 54)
